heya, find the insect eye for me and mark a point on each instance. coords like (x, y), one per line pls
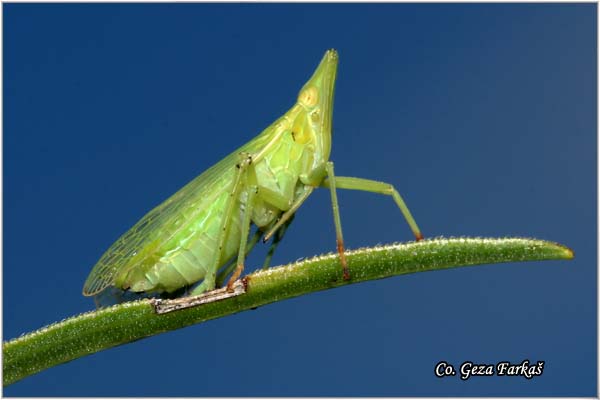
(309, 96)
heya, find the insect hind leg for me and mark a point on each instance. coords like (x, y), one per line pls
(239, 182)
(232, 263)
(245, 227)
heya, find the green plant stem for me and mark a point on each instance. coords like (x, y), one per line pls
(98, 330)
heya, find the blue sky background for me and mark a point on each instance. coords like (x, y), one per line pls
(482, 115)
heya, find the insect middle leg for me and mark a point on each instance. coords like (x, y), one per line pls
(286, 216)
(277, 239)
(336, 216)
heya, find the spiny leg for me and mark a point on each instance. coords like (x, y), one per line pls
(336, 219)
(367, 185)
(244, 237)
(278, 237)
(226, 270)
(240, 179)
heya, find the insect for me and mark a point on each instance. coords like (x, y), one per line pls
(192, 235)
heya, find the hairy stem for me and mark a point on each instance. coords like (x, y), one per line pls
(98, 330)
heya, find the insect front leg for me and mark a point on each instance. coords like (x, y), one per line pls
(239, 182)
(367, 185)
(245, 227)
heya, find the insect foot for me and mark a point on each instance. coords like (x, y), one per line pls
(162, 306)
(341, 251)
(233, 279)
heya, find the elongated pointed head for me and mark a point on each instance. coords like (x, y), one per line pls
(316, 98)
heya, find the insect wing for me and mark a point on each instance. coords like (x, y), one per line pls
(156, 227)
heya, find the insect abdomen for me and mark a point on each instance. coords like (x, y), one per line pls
(190, 254)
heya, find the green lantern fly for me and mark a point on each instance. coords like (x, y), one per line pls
(192, 235)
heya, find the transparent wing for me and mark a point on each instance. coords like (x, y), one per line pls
(158, 225)
(126, 251)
